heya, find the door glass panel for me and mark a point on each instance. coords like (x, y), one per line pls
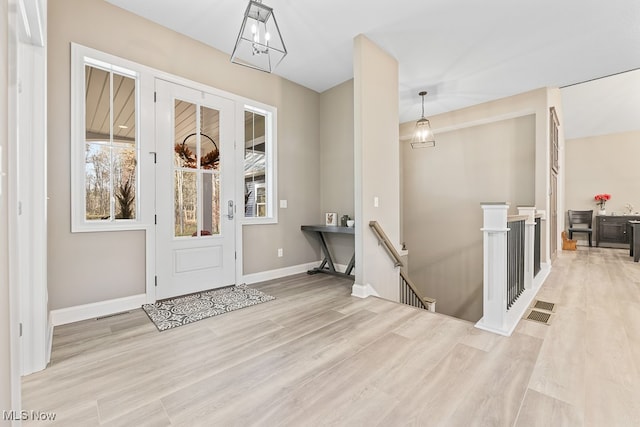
(185, 203)
(210, 167)
(185, 161)
(197, 170)
(186, 137)
(210, 203)
(210, 139)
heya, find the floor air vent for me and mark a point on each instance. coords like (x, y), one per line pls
(112, 315)
(539, 316)
(543, 305)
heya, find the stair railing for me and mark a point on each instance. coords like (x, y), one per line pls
(409, 293)
(509, 263)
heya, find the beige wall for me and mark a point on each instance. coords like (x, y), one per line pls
(534, 102)
(5, 341)
(336, 163)
(533, 108)
(90, 267)
(377, 164)
(443, 188)
(603, 164)
(298, 183)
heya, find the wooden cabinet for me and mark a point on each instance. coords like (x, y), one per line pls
(613, 229)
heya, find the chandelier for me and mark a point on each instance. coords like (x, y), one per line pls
(423, 136)
(259, 44)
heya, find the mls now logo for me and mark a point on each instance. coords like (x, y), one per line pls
(28, 416)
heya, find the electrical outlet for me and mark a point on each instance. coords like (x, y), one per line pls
(280, 252)
(283, 204)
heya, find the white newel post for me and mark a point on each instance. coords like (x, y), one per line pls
(494, 266)
(529, 242)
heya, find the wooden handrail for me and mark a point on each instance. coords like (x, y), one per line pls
(384, 240)
(428, 303)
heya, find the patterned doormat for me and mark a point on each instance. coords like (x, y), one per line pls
(174, 312)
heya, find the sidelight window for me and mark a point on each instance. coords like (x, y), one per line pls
(105, 157)
(259, 165)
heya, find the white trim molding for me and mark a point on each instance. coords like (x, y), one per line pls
(77, 313)
(363, 291)
(145, 145)
(278, 273)
(27, 182)
(497, 318)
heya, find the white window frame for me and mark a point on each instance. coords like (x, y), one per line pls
(270, 138)
(146, 146)
(81, 56)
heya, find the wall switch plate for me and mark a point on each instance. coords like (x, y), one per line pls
(376, 202)
(283, 204)
(280, 252)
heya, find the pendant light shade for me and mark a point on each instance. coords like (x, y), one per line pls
(259, 44)
(423, 135)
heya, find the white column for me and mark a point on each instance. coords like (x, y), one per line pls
(529, 237)
(494, 267)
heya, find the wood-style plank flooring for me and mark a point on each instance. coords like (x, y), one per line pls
(317, 356)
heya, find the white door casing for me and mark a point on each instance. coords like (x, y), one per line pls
(195, 230)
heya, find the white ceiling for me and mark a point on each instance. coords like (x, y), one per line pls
(463, 52)
(603, 106)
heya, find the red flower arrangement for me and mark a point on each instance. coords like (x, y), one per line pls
(601, 199)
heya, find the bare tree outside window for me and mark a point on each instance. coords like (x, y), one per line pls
(111, 147)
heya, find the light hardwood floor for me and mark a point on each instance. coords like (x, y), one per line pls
(317, 356)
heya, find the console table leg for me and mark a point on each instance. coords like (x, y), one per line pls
(352, 264)
(327, 255)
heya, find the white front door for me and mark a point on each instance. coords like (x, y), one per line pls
(195, 232)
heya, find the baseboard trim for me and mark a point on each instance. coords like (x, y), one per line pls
(64, 316)
(278, 273)
(363, 291)
(541, 277)
(49, 339)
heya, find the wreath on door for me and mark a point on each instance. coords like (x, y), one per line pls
(190, 160)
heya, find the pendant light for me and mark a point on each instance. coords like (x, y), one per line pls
(423, 136)
(259, 44)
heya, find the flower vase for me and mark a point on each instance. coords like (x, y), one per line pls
(602, 211)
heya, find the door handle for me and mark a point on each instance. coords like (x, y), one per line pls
(230, 209)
